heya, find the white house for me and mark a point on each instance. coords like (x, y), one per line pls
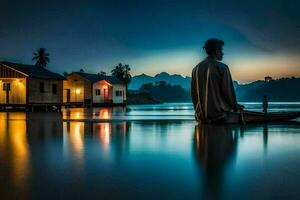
(93, 88)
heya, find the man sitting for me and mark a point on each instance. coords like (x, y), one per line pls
(212, 89)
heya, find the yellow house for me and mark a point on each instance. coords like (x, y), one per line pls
(29, 85)
(95, 89)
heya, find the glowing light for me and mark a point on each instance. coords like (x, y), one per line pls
(105, 133)
(104, 86)
(124, 125)
(19, 83)
(17, 140)
(77, 91)
(76, 138)
(104, 114)
(77, 115)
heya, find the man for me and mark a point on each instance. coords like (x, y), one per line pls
(212, 89)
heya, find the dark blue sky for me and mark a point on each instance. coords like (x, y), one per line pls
(261, 37)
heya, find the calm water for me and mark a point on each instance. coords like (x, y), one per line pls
(146, 152)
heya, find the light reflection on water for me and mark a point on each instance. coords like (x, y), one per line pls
(44, 157)
(14, 152)
(167, 111)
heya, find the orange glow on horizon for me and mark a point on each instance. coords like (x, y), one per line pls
(244, 66)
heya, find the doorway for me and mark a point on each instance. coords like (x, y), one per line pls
(6, 88)
(105, 93)
(68, 95)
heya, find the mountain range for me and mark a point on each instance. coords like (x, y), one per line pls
(175, 79)
(283, 89)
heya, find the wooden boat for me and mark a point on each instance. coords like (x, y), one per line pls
(256, 117)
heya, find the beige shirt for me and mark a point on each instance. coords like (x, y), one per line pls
(216, 92)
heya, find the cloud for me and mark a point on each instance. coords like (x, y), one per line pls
(268, 25)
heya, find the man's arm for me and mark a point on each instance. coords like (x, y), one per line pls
(228, 89)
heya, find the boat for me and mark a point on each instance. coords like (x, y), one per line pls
(257, 117)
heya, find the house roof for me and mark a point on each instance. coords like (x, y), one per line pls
(33, 71)
(97, 77)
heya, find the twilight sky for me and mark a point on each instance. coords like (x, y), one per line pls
(261, 37)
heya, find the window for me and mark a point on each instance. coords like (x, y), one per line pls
(6, 86)
(118, 93)
(54, 89)
(42, 87)
(97, 91)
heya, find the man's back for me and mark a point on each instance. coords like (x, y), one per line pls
(212, 90)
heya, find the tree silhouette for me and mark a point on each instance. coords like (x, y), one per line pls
(102, 73)
(41, 57)
(164, 92)
(122, 72)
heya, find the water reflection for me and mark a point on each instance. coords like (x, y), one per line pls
(103, 130)
(15, 155)
(78, 132)
(37, 148)
(215, 147)
(74, 140)
(216, 150)
(94, 113)
(113, 137)
(41, 153)
(265, 136)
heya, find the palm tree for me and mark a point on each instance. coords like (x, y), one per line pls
(41, 57)
(122, 72)
(118, 71)
(126, 74)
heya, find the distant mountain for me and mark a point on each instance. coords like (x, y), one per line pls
(165, 92)
(284, 89)
(138, 81)
(175, 79)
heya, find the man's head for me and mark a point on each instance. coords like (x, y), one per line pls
(214, 48)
